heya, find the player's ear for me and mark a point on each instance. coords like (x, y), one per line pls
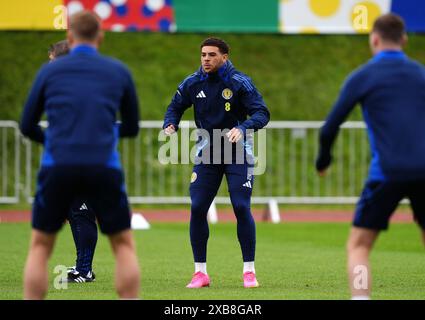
(70, 38)
(225, 57)
(404, 40)
(374, 41)
(100, 38)
(374, 38)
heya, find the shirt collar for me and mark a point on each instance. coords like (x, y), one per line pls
(390, 54)
(222, 72)
(84, 48)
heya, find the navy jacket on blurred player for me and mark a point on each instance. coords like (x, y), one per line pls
(81, 94)
(391, 90)
(223, 98)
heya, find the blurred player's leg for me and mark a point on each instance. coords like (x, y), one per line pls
(127, 277)
(55, 192)
(359, 244)
(36, 273)
(105, 191)
(416, 195)
(378, 201)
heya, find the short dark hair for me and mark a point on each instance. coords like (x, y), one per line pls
(58, 49)
(222, 46)
(85, 25)
(390, 27)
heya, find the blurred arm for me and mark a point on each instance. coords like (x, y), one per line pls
(33, 111)
(129, 126)
(345, 103)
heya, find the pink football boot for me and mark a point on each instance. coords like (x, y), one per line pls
(199, 280)
(249, 280)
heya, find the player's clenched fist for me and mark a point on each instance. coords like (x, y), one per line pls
(169, 130)
(234, 135)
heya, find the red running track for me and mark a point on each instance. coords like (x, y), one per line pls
(227, 215)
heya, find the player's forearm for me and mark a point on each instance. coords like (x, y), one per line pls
(324, 158)
(34, 133)
(130, 117)
(129, 127)
(29, 123)
(172, 117)
(330, 129)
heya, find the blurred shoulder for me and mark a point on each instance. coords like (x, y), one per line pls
(416, 64)
(114, 63)
(360, 73)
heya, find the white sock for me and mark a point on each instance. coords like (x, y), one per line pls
(201, 267)
(248, 267)
(360, 298)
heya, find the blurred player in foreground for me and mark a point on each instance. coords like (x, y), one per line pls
(81, 94)
(391, 90)
(81, 217)
(223, 98)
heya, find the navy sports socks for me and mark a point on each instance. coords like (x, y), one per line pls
(84, 231)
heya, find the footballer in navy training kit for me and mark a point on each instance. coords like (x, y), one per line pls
(81, 94)
(391, 90)
(81, 217)
(223, 99)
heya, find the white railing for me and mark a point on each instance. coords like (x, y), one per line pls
(290, 175)
(9, 162)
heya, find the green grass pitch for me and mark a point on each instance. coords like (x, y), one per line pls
(294, 261)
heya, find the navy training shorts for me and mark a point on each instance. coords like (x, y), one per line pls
(59, 187)
(240, 177)
(380, 199)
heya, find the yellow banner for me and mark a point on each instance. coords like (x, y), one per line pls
(30, 14)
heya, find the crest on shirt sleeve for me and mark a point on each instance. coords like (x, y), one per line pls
(227, 94)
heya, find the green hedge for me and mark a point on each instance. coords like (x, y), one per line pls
(299, 76)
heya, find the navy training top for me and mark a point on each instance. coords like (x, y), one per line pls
(222, 100)
(81, 94)
(391, 90)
